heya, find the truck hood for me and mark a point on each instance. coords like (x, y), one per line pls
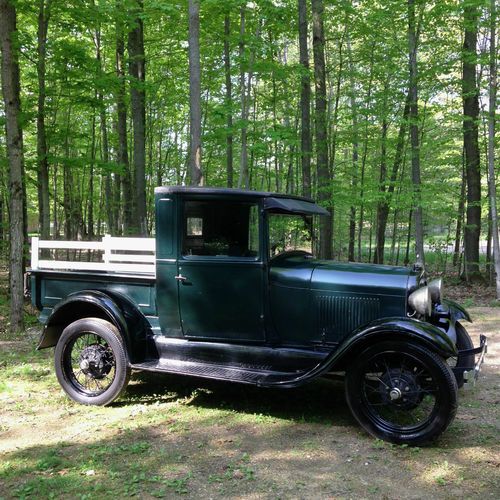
(340, 277)
(360, 278)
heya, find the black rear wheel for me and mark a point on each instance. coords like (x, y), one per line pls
(402, 393)
(91, 362)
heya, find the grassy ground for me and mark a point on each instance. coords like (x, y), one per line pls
(171, 436)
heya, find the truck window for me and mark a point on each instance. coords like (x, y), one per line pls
(288, 232)
(221, 229)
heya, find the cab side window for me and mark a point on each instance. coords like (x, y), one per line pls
(221, 229)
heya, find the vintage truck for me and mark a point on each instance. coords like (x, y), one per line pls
(229, 290)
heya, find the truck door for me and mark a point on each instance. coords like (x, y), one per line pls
(221, 278)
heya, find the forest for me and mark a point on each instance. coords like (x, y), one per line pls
(382, 111)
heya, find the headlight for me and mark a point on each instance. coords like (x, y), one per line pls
(436, 287)
(420, 301)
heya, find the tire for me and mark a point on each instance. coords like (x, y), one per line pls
(402, 393)
(465, 362)
(91, 362)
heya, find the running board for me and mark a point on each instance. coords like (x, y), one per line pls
(218, 372)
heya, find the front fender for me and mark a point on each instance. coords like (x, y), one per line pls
(379, 330)
(456, 310)
(83, 304)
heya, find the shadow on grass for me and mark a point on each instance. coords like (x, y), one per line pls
(321, 401)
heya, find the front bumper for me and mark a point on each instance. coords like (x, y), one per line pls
(471, 376)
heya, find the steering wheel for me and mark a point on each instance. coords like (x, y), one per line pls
(289, 254)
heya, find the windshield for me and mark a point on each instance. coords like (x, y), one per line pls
(290, 232)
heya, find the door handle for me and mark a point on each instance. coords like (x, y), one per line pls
(179, 277)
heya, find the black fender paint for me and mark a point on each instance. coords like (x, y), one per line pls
(457, 312)
(405, 329)
(112, 306)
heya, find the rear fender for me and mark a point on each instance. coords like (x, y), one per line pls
(112, 307)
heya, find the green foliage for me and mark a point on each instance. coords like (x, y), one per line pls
(367, 79)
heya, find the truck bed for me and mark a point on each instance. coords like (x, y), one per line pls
(119, 265)
(50, 287)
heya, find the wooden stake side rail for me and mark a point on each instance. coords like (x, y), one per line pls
(126, 255)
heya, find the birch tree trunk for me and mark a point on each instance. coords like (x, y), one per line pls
(194, 94)
(491, 146)
(12, 102)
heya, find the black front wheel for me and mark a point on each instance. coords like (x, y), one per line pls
(91, 362)
(402, 393)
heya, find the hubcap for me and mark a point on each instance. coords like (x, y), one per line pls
(400, 387)
(95, 361)
(395, 394)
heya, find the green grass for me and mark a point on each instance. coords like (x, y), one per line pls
(181, 437)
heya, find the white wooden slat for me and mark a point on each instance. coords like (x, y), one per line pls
(137, 244)
(34, 252)
(114, 260)
(71, 245)
(96, 266)
(121, 257)
(106, 240)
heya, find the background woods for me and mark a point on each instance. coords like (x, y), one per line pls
(382, 110)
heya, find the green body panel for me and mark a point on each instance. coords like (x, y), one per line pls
(330, 300)
(57, 285)
(167, 294)
(222, 300)
(293, 301)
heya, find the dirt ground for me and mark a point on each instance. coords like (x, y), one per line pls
(170, 436)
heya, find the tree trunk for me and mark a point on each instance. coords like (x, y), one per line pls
(12, 102)
(229, 101)
(414, 135)
(305, 102)
(387, 192)
(123, 188)
(246, 78)
(43, 167)
(68, 198)
(195, 173)
(324, 188)
(137, 71)
(243, 180)
(110, 211)
(365, 154)
(355, 152)
(460, 215)
(491, 146)
(90, 213)
(470, 94)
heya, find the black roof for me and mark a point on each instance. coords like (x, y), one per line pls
(227, 191)
(272, 201)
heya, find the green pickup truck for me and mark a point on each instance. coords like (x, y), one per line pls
(230, 290)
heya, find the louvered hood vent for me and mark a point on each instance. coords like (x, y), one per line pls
(339, 315)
